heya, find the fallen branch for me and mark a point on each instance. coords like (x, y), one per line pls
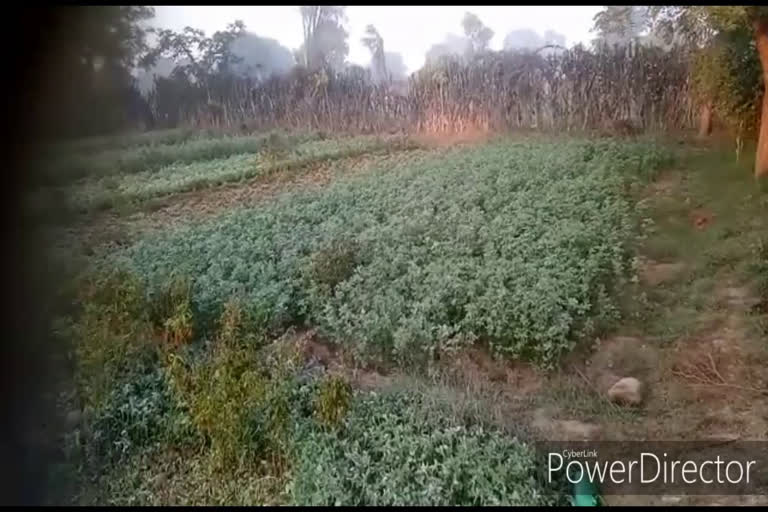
(708, 375)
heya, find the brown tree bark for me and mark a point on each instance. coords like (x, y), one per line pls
(705, 120)
(761, 158)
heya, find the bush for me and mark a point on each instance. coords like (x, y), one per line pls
(220, 392)
(391, 451)
(171, 312)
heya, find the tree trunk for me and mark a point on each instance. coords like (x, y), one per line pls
(761, 38)
(705, 121)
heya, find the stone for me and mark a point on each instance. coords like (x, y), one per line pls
(627, 391)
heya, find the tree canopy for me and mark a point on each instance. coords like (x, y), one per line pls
(478, 34)
(325, 38)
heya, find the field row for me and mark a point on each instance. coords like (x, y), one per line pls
(98, 144)
(511, 244)
(112, 190)
(81, 165)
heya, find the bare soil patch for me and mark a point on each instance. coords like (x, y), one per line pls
(654, 273)
(441, 140)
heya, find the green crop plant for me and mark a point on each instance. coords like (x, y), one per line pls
(511, 244)
(390, 450)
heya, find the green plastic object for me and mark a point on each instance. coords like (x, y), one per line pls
(585, 492)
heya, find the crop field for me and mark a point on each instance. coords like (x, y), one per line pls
(148, 153)
(261, 353)
(412, 262)
(103, 190)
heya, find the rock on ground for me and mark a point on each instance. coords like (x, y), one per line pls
(627, 391)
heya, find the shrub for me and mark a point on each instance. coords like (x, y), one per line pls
(276, 148)
(331, 265)
(237, 394)
(220, 392)
(391, 451)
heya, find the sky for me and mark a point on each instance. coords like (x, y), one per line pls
(408, 30)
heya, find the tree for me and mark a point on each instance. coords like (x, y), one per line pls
(162, 68)
(621, 24)
(259, 57)
(325, 39)
(202, 56)
(478, 34)
(452, 45)
(96, 63)
(375, 44)
(718, 31)
(523, 39)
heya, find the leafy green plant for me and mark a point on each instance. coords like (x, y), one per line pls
(390, 450)
(138, 413)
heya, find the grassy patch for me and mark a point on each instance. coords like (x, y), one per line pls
(236, 420)
(711, 220)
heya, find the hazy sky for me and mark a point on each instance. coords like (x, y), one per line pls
(409, 30)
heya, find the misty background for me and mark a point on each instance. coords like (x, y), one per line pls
(412, 36)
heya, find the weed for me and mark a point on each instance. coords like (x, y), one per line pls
(332, 401)
(331, 265)
(172, 312)
(219, 392)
